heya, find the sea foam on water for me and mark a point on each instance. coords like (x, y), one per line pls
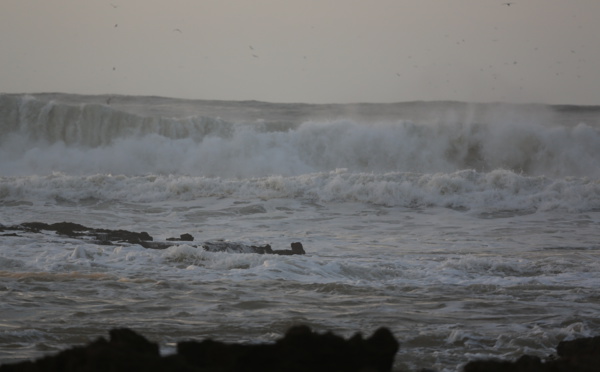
(469, 230)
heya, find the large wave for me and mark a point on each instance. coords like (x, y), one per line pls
(39, 137)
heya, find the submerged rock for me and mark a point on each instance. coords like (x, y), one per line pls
(182, 238)
(74, 230)
(300, 349)
(221, 246)
(118, 237)
(297, 248)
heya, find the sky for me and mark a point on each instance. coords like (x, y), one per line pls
(313, 51)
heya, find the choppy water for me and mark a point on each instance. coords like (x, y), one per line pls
(469, 230)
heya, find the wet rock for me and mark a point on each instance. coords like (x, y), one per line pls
(182, 238)
(122, 236)
(232, 247)
(582, 347)
(262, 249)
(74, 230)
(119, 237)
(126, 351)
(581, 355)
(70, 229)
(299, 350)
(297, 248)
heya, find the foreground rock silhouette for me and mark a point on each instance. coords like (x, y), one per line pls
(299, 350)
(580, 355)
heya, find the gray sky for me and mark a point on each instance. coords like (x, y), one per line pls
(340, 51)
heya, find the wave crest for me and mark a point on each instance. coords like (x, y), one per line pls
(499, 190)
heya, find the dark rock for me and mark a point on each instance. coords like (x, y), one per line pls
(297, 248)
(262, 249)
(526, 363)
(68, 228)
(299, 350)
(182, 238)
(122, 236)
(125, 338)
(186, 238)
(579, 347)
(125, 352)
(74, 230)
(581, 355)
(232, 247)
(117, 237)
(63, 228)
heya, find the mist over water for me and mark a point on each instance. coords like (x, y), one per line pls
(435, 219)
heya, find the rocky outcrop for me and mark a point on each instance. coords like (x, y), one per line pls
(581, 355)
(300, 349)
(182, 238)
(119, 237)
(221, 246)
(74, 230)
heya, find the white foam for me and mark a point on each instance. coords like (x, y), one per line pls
(41, 137)
(496, 190)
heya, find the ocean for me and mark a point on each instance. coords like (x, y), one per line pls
(469, 230)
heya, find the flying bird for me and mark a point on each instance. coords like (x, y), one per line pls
(507, 4)
(178, 30)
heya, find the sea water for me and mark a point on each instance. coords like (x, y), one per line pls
(469, 230)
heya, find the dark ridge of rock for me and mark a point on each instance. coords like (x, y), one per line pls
(74, 230)
(182, 238)
(117, 237)
(262, 249)
(580, 355)
(299, 350)
(526, 363)
(582, 347)
(62, 228)
(122, 236)
(126, 351)
(231, 247)
(297, 248)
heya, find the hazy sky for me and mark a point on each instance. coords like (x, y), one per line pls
(318, 51)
